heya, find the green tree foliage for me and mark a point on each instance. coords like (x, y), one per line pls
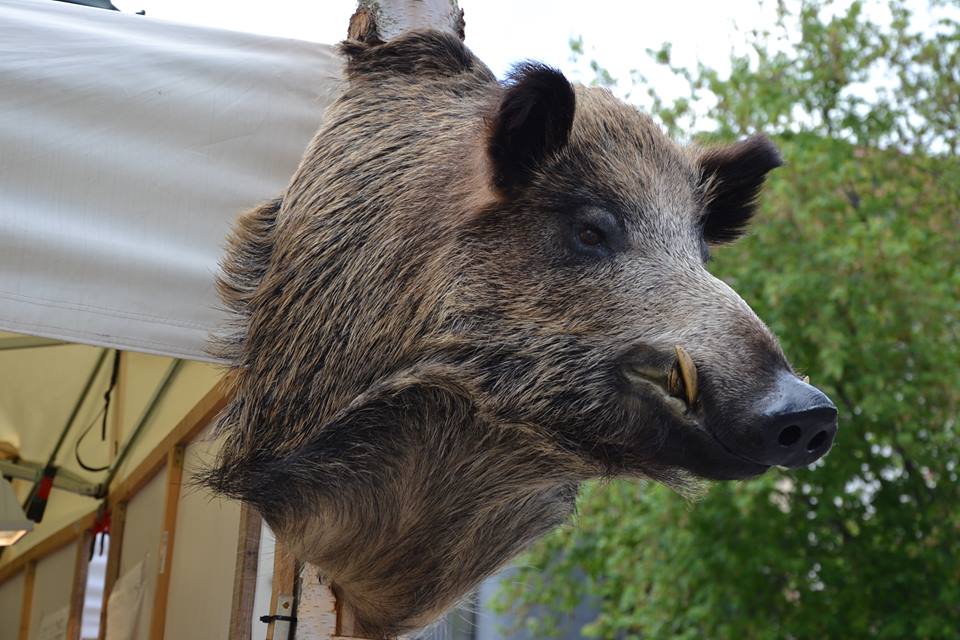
(853, 262)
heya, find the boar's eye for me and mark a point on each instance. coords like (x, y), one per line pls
(594, 232)
(590, 236)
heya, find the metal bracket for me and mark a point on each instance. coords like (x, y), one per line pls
(282, 623)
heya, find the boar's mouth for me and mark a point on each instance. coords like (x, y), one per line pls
(672, 376)
(679, 381)
(671, 379)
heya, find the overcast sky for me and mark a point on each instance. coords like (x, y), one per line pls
(502, 32)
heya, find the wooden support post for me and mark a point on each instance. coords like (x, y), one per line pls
(158, 615)
(79, 587)
(281, 595)
(346, 622)
(118, 517)
(26, 605)
(245, 574)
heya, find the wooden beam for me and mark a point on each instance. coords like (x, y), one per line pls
(26, 605)
(346, 622)
(158, 615)
(245, 574)
(281, 596)
(54, 542)
(79, 587)
(196, 420)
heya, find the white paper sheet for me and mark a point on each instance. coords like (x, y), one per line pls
(127, 147)
(53, 626)
(123, 606)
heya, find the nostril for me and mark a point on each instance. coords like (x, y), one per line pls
(789, 436)
(816, 441)
(795, 426)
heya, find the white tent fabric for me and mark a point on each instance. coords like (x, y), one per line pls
(127, 147)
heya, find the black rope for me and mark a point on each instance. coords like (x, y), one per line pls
(104, 412)
(76, 446)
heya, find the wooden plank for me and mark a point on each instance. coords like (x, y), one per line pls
(26, 605)
(54, 542)
(245, 575)
(158, 615)
(281, 596)
(201, 415)
(79, 587)
(346, 623)
(118, 519)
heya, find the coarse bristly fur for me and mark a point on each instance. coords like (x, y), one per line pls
(434, 320)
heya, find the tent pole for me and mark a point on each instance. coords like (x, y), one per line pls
(49, 470)
(158, 394)
(78, 405)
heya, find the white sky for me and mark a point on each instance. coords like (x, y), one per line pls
(502, 32)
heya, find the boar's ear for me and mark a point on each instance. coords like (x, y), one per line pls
(533, 120)
(733, 176)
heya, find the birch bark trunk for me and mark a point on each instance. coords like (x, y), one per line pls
(386, 19)
(319, 616)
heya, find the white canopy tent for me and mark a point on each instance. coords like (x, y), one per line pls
(127, 147)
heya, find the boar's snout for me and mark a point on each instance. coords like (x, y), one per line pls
(724, 431)
(797, 423)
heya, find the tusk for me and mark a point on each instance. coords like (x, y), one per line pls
(805, 379)
(688, 373)
(674, 381)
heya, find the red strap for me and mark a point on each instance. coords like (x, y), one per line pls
(46, 483)
(102, 523)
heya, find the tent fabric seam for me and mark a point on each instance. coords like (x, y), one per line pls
(108, 340)
(100, 310)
